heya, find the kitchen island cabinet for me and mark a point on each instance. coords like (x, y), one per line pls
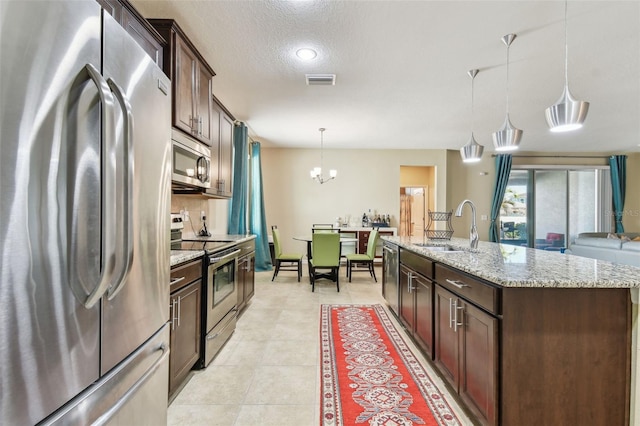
(530, 337)
(466, 349)
(416, 299)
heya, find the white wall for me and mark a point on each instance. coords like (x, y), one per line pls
(367, 179)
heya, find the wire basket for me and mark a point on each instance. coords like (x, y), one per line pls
(439, 234)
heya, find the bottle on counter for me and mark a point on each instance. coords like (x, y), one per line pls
(364, 220)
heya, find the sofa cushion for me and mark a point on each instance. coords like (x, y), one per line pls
(613, 243)
(631, 245)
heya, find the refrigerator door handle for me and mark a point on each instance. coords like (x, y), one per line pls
(124, 210)
(107, 197)
(104, 418)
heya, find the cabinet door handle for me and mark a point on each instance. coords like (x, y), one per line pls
(410, 286)
(179, 303)
(191, 120)
(173, 314)
(457, 283)
(451, 308)
(200, 125)
(457, 324)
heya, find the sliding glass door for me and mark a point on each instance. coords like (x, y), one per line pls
(548, 208)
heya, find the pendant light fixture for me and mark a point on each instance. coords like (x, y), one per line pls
(568, 113)
(316, 172)
(472, 151)
(508, 137)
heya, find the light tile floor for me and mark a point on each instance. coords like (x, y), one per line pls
(268, 372)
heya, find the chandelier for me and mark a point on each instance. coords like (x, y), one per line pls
(316, 172)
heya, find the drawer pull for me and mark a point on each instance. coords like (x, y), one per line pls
(177, 280)
(457, 283)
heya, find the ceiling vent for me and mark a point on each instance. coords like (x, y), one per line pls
(321, 79)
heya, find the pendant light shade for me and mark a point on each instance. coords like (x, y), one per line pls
(316, 172)
(508, 137)
(568, 113)
(472, 151)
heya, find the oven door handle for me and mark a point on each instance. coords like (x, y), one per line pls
(214, 259)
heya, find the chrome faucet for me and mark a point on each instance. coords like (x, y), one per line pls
(473, 232)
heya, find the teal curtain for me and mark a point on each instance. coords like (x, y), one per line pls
(618, 167)
(257, 218)
(238, 206)
(503, 170)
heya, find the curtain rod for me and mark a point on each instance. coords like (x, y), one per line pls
(556, 156)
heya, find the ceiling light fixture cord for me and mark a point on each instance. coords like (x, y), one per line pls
(508, 46)
(566, 48)
(322, 129)
(473, 124)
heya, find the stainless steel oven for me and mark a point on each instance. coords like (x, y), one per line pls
(220, 311)
(191, 162)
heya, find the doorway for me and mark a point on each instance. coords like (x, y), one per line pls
(417, 197)
(413, 208)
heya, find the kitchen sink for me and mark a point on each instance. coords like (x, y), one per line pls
(442, 249)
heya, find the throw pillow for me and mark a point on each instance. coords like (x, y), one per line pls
(636, 238)
(624, 238)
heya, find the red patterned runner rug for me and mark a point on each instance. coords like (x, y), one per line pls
(369, 375)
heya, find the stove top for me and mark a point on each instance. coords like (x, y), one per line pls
(208, 246)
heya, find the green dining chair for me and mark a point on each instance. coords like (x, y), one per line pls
(284, 261)
(323, 227)
(325, 248)
(365, 258)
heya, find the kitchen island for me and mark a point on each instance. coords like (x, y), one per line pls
(521, 336)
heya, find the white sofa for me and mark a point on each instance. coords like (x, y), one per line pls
(596, 245)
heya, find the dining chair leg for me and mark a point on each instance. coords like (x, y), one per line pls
(277, 268)
(338, 279)
(312, 281)
(373, 271)
(299, 269)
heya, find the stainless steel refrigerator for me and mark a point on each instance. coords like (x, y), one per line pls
(84, 209)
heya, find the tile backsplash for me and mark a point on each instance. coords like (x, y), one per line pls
(215, 210)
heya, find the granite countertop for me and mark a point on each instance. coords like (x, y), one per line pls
(181, 256)
(513, 266)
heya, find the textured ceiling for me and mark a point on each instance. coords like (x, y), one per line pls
(402, 69)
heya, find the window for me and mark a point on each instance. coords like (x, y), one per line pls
(547, 207)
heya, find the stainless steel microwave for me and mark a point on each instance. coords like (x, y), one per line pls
(191, 162)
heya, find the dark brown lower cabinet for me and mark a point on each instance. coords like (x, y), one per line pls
(416, 307)
(466, 353)
(185, 315)
(524, 356)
